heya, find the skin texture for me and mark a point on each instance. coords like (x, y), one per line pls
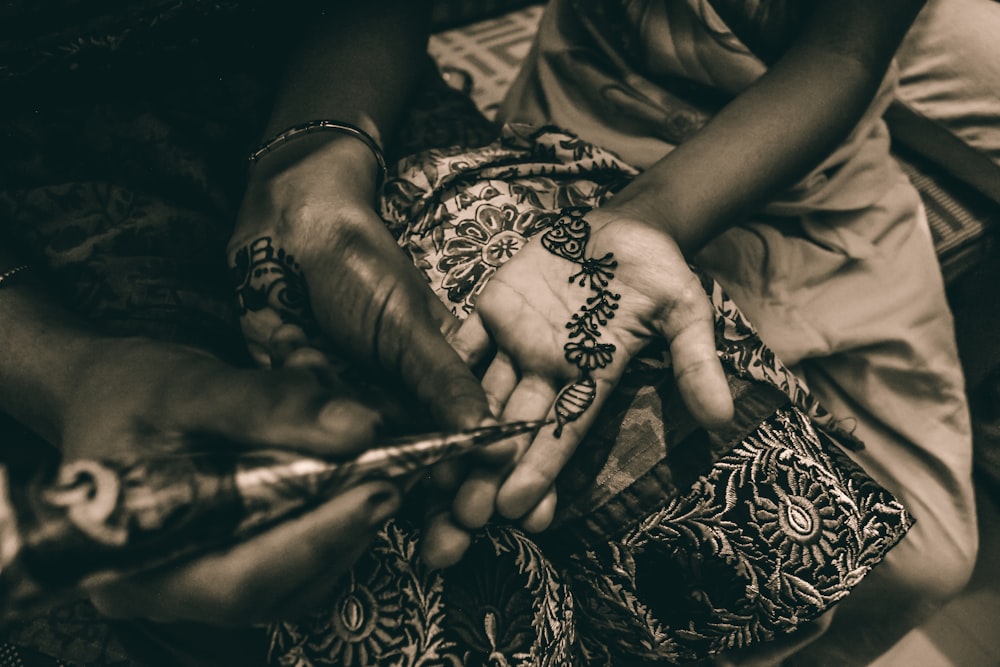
(525, 308)
(295, 565)
(92, 396)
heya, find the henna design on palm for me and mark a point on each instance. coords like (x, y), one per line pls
(568, 238)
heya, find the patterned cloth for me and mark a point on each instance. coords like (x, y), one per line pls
(126, 193)
(676, 544)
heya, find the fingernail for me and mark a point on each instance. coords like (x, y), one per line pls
(382, 505)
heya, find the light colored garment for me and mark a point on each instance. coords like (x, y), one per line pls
(949, 89)
(845, 286)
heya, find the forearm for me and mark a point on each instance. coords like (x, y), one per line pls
(43, 347)
(359, 64)
(773, 133)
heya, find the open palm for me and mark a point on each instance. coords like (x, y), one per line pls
(567, 314)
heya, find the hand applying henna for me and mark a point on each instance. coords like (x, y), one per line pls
(567, 314)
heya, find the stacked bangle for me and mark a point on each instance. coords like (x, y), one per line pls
(320, 126)
(10, 273)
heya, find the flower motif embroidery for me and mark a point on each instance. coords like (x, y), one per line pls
(364, 622)
(801, 521)
(482, 245)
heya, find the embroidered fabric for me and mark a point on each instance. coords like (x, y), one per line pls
(676, 544)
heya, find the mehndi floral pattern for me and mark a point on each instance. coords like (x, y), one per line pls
(567, 238)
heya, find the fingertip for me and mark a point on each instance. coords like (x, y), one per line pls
(289, 333)
(444, 542)
(475, 500)
(519, 494)
(306, 358)
(259, 354)
(707, 396)
(462, 411)
(540, 518)
(384, 500)
(499, 454)
(713, 413)
(447, 475)
(471, 340)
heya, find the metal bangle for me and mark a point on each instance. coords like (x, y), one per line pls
(320, 126)
(10, 273)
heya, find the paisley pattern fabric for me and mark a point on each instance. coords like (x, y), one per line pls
(676, 544)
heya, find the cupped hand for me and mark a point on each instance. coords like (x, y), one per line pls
(630, 283)
(284, 572)
(138, 398)
(310, 250)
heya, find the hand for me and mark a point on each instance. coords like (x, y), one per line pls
(137, 397)
(282, 573)
(309, 250)
(649, 292)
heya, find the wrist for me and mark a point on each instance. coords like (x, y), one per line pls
(308, 190)
(335, 162)
(302, 131)
(648, 204)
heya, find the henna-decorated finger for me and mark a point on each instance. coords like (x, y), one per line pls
(475, 501)
(547, 455)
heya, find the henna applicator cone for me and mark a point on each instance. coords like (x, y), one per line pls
(103, 519)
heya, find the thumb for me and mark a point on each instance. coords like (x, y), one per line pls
(689, 326)
(441, 379)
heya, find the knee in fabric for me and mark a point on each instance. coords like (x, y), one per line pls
(943, 570)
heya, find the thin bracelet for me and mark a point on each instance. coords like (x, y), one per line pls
(10, 273)
(319, 126)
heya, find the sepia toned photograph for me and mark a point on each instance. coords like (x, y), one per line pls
(500, 333)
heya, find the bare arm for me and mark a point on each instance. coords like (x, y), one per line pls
(357, 63)
(773, 133)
